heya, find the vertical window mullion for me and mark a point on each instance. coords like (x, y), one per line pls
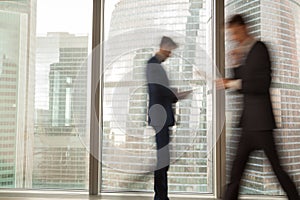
(95, 98)
(219, 52)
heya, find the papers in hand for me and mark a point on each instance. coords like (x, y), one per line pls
(184, 94)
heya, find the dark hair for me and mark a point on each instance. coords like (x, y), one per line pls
(167, 43)
(237, 19)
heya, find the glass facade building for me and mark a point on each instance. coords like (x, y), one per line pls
(276, 23)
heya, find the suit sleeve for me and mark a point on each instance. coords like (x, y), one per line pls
(257, 78)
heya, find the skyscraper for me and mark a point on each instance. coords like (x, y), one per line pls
(60, 151)
(17, 40)
(276, 23)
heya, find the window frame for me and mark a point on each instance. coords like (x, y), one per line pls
(218, 45)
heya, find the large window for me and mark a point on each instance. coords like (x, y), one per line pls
(45, 102)
(61, 134)
(46, 79)
(277, 24)
(133, 29)
(44, 47)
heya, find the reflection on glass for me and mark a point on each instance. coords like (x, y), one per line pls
(44, 100)
(132, 37)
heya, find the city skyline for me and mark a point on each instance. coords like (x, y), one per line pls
(60, 158)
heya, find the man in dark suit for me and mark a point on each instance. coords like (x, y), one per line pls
(253, 78)
(160, 113)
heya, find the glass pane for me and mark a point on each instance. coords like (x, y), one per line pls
(276, 23)
(44, 46)
(62, 95)
(133, 29)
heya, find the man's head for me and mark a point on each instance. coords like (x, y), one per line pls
(237, 28)
(166, 46)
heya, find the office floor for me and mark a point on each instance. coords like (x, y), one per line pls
(83, 197)
(34, 195)
(86, 198)
(16, 195)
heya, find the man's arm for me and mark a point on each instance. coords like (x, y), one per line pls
(160, 90)
(158, 83)
(258, 77)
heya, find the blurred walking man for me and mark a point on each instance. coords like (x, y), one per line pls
(253, 78)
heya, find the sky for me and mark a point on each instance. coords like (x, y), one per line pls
(73, 16)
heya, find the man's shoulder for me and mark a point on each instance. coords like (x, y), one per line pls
(260, 44)
(259, 48)
(153, 64)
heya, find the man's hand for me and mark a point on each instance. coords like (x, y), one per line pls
(235, 84)
(221, 83)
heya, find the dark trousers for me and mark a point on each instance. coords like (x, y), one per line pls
(249, 142)
(163, 161)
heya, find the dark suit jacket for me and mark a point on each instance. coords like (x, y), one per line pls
(161, 97)
(255, 74)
